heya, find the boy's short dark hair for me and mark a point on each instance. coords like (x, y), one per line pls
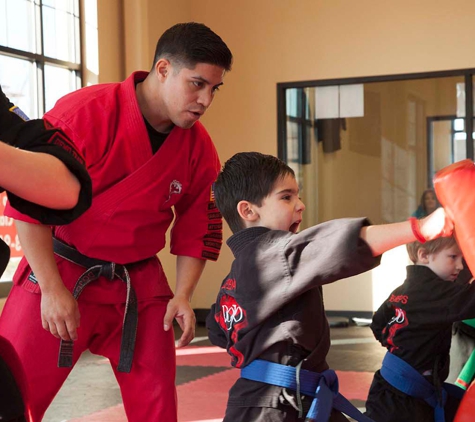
(247, 176)
(431, 247)
(187, 44)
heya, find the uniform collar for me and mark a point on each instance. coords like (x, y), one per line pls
(421, 273)
(238, 241)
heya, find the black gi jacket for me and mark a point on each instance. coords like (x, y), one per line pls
(34, 136)
(415, 322)
(270, 306)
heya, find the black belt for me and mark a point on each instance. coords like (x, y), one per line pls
(97, 268)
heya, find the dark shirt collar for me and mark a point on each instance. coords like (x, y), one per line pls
(421, 273)
(238, 241)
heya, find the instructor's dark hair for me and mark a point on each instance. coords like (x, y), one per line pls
(247, 176)
(187, 44)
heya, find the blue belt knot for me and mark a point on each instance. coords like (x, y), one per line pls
(322, 386)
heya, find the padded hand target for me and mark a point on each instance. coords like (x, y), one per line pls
(455, 189)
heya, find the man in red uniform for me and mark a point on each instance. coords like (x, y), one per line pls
(151, 162)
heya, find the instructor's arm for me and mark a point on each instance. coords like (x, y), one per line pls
(59, 309)
(188, 272)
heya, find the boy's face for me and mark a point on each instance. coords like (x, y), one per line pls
(282, 209)
(447, 263)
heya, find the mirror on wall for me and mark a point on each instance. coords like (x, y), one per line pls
(370, 146)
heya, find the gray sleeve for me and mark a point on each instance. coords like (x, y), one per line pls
(328, 252)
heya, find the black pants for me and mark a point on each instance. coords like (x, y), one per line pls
(387, 404)
(11, 403)
(269, 414)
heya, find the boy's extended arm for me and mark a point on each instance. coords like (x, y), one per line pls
(384, 237)
(38, 177)
(59, 309)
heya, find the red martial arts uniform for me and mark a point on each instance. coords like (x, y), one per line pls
(134, 191)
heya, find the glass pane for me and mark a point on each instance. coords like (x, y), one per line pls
(61, 30)
(292, 101)
(18, 24)
(292, 142)
(443, 142)
(91, 35)
(17, 78)
(459, 124)
(58, 82)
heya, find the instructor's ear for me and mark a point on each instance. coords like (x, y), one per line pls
(247, 212)
(162, 68)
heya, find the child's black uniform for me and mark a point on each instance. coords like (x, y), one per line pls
(415, 324)
(270, 307)
(33, 135)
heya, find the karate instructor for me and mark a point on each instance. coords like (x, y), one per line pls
(96, 283)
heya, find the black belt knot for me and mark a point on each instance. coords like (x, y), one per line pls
(97, 268)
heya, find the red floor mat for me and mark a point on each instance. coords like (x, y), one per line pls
(204, 399)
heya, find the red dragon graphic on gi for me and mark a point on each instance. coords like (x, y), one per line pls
(232, 318)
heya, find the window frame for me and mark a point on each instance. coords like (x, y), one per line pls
(41, 60)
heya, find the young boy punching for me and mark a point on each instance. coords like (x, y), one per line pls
(269, 313)
(415, 325)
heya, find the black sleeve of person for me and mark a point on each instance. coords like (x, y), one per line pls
(32, 135)
(4, 257)
(11, 402)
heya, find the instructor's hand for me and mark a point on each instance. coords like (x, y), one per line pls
(180, 309)
(60, 313)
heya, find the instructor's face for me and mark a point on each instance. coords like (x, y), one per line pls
(189, 92)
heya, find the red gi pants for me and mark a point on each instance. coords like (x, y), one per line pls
(148, 391)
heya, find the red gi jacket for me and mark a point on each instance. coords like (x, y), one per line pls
(136, 194)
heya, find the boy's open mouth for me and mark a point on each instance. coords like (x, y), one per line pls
(294, 227)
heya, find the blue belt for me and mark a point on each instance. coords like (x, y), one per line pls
(405, 378)
(322, 386)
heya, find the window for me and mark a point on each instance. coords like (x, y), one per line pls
(40, 54)
(40, 61)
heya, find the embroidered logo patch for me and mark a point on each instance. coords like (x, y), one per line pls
(232, 315)
(175, 188)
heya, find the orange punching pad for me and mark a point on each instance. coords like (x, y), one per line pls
(455, 189)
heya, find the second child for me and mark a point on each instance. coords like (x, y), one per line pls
(415, 325)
